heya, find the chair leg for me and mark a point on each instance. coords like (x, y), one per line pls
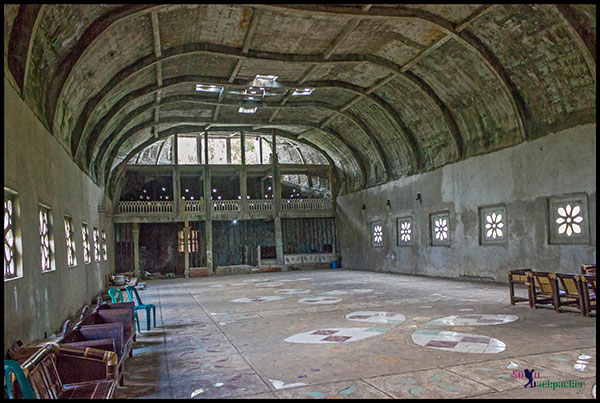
(154, 314)
(148, 318)
(137, 321)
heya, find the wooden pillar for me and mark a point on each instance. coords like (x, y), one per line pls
(136, 250)
(177, 201)
(186, 249)
(277, 203)
(243, 177)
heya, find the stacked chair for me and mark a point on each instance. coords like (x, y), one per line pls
(557, 291)
(87, 360)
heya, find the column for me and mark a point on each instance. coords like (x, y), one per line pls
(243, 177)
(186, 249)
(177, 201)
(208, 210)
(277, 203)
(136, 250)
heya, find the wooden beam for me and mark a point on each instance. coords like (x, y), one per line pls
(475, 16)
(251, 31)
(156, 34)
(341, 37)
(236, 69)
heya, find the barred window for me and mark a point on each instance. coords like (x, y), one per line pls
(45, 239)
(70, 239)
(96, 245)
(192, 244)
(104, 252)
(86, 243)
(10, 266)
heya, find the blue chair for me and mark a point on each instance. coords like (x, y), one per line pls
(140, 305)
(117, 296)
(13, 369)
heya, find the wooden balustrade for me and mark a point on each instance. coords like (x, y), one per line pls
(193, 206)
(226, 205)
(145, 207)
(260, 204)
(306, 204)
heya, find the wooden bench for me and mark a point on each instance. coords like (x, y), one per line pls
(588, 269)
(544, 290)
(105, 336)
(100, 316)
(572, 294)
(519, 277)
(588, 289)
(61, 372)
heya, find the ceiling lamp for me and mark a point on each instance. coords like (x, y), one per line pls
(208, 88)
(302, 91)
(264, 81)
(247, 110)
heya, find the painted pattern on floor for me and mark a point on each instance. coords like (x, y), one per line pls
(351, 291)
(336, 335)
(319, 300)
(473, 319)
(376, 317)
(291, 291)
(458, 342)
(260, 298)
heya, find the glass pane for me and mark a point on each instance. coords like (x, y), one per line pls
(187, 150)
(217, 151)
(252, 150)
(165, 156)
(236, 151)
(267, 154)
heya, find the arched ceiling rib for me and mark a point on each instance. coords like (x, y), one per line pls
(422, 85)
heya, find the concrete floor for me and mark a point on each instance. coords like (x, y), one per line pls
(209, 347)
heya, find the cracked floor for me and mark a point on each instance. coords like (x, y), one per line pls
(216, 338)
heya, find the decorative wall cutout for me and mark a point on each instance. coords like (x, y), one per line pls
(335, 335)
(440, 229)
(376, 317)
(10, 266)
(405, 231)
(568, 219)
(493, 226)
(70, 241)
(458, 342)
(45, 239)
(377, 233)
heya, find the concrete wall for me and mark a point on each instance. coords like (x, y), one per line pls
(40, 170)
(521, 177)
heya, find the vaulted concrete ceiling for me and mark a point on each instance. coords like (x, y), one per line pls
(399, 89)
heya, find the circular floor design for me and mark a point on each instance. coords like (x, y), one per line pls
(473, 320)
(335, 335)
(319, 300)
(268, 284)
(290, 291)
(457, 342)
(350, 291)
(377, 317)
(260, 299)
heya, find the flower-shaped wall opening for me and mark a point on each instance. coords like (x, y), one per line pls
(377, 233)
(493, 225)
(440, 229)
(405, 231)
(568, 219)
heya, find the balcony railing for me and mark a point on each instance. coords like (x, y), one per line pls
(306, 204)
(226, 205)
(145, 207)
(260, 204)
(193, 206)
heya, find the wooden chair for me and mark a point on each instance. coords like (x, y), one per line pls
(588, 269)
(544, 292)
(588, 289)
(519, 277)
(59, 372)
(572, 294)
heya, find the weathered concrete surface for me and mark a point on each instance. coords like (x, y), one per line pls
(41, 171)
(206, 345)
(521, 178)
